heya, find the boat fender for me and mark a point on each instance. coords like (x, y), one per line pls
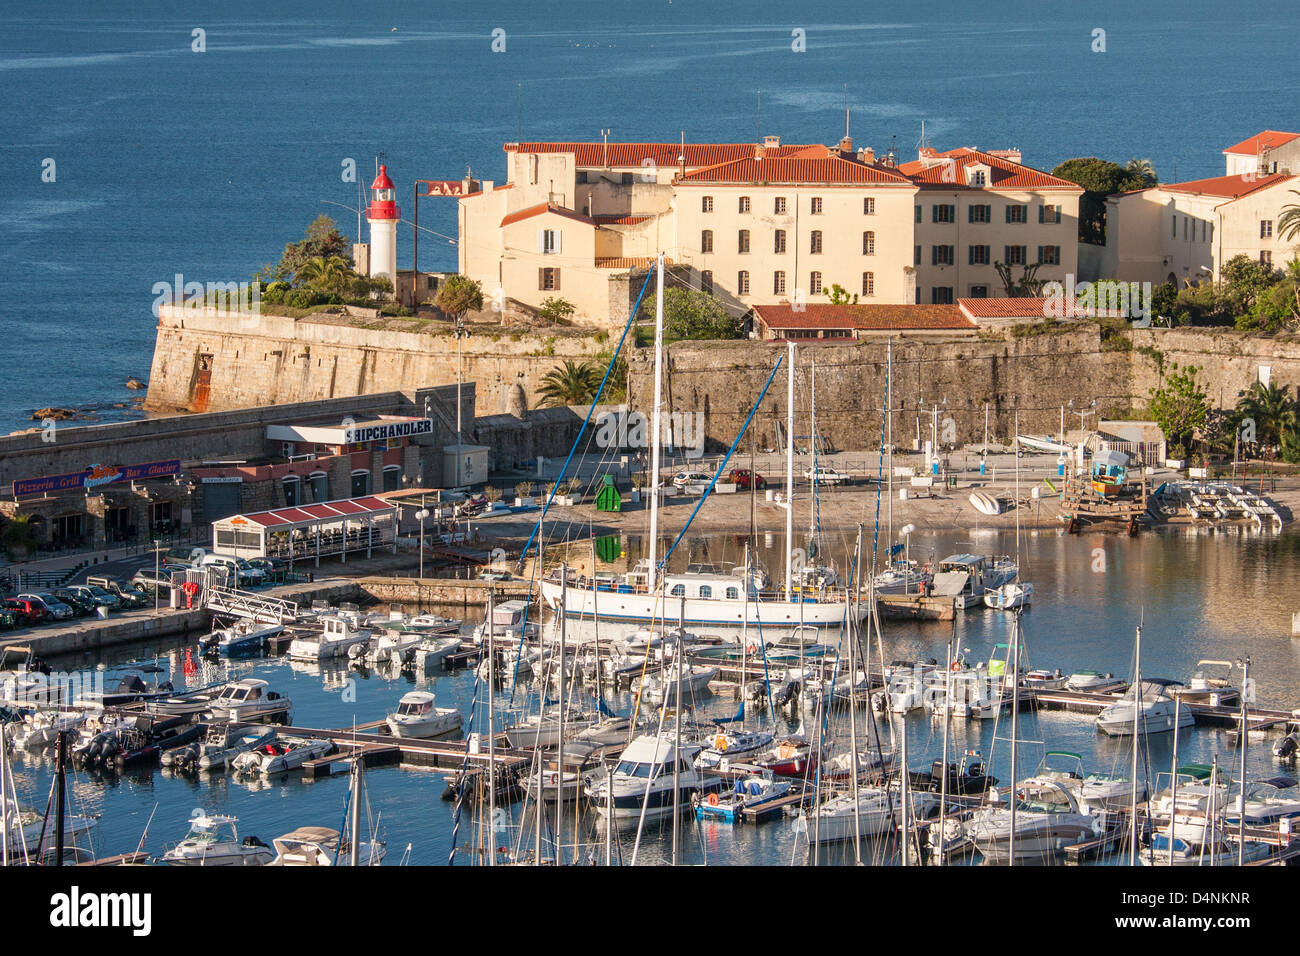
(713, 799)
(752, 648)
(555, 779)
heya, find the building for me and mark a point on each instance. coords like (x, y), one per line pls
(1184, 232)
(758, 223)
(845, 322)
(1264, 154)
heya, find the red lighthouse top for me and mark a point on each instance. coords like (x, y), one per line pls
(383, 198)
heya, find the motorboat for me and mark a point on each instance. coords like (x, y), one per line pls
(732, 745)
(753, 788)
(1042, 679)
(338, 632)
(131, 688)
(242, 637)
(644, 779)
(511, 622)
(791, 756)
(33, 832)
(213, 840)
(1044, 443)
(1286, 747)
(433, 651)
(1048, 818)
(1094, 791)
(281, 755)
(41, 728)
(1267, 802)
(1094, 682)
(902, 577)
(250, 699)
(1009, 596)
(966, 776)
(419, 716)
(221, 744)
(543, 730)
(396, 646)
(686, 680)
(1208, 687)
(1195, 843)
(875, 812)
(1154, 711)
(1196, 791)
(321, 846)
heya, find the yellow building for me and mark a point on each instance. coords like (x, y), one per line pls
(760, 223)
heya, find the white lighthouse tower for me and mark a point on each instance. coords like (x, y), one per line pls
(383, 215)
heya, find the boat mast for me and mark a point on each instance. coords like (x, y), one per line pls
(853, 698)
(1137, 716)
(651, 580)
(1015, 722)
(61, 776)
(812, 497)
(1173, 815)
(902, 777)
(889, 451)
(789, 475)
(1241, 781)
(559, 756)
(679, 659)
(491, 690)
(4, 797)
(354, 850)
(947, 718)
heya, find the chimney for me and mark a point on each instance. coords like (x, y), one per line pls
(771, 142)
(925, 152)
(846, 147)
(869, 156)
(759, 150)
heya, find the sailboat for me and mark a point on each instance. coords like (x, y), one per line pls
(1014, 593)
(709, 595)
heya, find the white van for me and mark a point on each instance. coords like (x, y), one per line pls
(238, 571)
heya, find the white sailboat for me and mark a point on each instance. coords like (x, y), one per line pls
(706, 597)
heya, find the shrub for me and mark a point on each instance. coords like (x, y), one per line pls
(491, 493)
(523, 489)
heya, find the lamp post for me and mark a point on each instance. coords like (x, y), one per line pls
(905, 532)
(1088, 410)
(460, 333)
(421, 515)
(157, 571)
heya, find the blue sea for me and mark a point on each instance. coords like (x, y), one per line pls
(165, 160)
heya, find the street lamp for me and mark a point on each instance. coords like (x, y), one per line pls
(421, 515)
(157, 572)
(1089, 410)
(905, 532)
(460, 333)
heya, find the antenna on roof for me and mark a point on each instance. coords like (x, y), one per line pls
(922, 143)
(846, 111)
(519, 113)
(759, 118)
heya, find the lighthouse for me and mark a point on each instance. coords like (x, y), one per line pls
(383, 214)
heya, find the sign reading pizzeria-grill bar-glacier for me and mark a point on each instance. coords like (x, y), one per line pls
(387, 431)
(95, 476)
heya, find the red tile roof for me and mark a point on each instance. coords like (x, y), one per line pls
(541, 208)
(620, 220)
(596, 155)
(1269, 138)
(813, 169)
(628, 262)
(1003, 174)
(1002, 308)
(869, 317)
(1226, 187)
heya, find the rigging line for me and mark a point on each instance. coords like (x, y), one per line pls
(726, 458)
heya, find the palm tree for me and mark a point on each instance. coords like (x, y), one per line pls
(327, 275)
(573, 383)
(1142, 170)
(1271, 408)
(1288, 224)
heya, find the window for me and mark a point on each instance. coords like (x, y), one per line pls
(978, 178)
(1017, 213)
(627, 179)
(679, 590)
(918, 213)
(868, 283)
(706, 281)
(742, 241)
(868, 205)
(1175, 233)
(1049, 255)
(943, 212)
(815, 242)
(706, 592)
(1266, 228)
(360, 483)
(1049, 214)
(742, 283)
(581, 176)
(1265, 257)
(778, 244)
(941, 295)
(941, 255)
(816, 205)
(979, 255)
(706, 204)
(733, 594)
(706, 240)
(1014, 255)
(980, 212)
(979, 292)
(916, 259)
(815, 284)
(868, 243)
(778, 283)
(778, 205)
(744, 204)
(392, 477)
(548, 280)
(550, 242)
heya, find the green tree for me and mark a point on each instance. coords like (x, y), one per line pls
(1179, 407)
(1099, 178)
(1243, 280)
(573, 383)
(1288, 224)
(840, 295)
(323, 274)
(322, 240)
(1028, 286)
(691, 314)
(459, 295)
(1265, 413)
(616, 387)
(556, 311)
(19, 535)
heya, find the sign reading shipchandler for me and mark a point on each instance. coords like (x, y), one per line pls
(94, 476)
(387, 431)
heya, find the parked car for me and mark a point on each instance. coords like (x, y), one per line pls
(187, 557)
(684, 478)
(129, 595)
(81, 607)
(55, 609)
(241, 571)
(273, 569)
(150, 581)
(744, 478)
(25, 612)
(827, 475)
(100, 596)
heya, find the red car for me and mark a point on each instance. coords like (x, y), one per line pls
(742, 477)
(26, 611)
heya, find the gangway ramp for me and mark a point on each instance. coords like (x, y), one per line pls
(247, 604)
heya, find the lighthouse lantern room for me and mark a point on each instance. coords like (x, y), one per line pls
(383, 215)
